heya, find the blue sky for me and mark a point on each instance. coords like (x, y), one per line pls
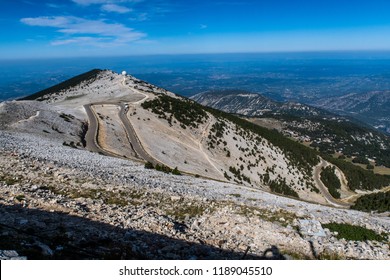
(66, 28)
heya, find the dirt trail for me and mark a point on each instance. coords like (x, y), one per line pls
(204, 133)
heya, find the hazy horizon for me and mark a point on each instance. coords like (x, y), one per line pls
(190, 74)
(311, 54)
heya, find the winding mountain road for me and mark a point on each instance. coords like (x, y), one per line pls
(91, 137)
(93, 131)
(324, 190)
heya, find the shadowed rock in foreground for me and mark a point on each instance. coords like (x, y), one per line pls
(40, 234)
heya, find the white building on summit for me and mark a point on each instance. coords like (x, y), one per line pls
(124, 74)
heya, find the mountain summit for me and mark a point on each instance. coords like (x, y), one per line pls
(135, 129)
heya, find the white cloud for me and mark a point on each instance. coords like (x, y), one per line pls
(103, 2)
(48, 21)
(80, 41)
(140, 17)
(203, 26)
(70, 41)
(79, 30)
(90, 2)
(115, 8)
(54, 6)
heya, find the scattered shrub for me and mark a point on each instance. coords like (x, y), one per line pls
(355, 233)
(373, 202)
(331, 181)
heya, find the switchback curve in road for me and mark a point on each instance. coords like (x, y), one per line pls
(93, 128)
(92, 133)
(323, 189)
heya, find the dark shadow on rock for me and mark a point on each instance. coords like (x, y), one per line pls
(40, 234)
(313, 250)
(273, 253)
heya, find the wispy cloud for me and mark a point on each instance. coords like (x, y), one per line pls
(142, 10)
(90, 2)
(49, 21)
(28, 2)
(139, 17)
(103, 2)
(54, 5)
(203, 26)
(83, 31)
(79, 41)
(115, 8)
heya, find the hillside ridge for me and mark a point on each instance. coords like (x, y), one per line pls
(173, 161)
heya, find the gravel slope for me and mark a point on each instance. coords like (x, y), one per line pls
(233, 217)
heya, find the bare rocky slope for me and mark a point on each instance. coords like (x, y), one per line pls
(190, 138)
(329, 133)
(108, 205)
